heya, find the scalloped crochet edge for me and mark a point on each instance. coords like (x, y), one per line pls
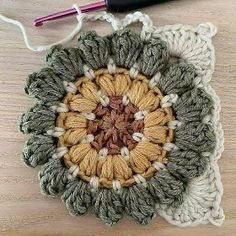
(214, 215)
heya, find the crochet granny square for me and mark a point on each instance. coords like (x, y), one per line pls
(129, 123)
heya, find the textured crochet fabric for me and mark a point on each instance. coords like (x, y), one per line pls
(128, 123)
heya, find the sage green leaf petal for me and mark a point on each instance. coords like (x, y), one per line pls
(77, 197)
(94, 49)
(108, 206)
(65, 61)
(46, 86)
(38, 119)
(139, 204)
(38, 149)
(53, 178)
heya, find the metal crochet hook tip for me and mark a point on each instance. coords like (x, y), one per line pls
(87, 8)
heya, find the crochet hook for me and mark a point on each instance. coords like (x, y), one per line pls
(109, 5)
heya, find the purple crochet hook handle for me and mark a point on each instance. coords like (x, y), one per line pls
(110, 5)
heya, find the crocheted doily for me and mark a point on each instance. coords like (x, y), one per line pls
(129, 123)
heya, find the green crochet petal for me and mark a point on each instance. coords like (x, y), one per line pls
(65, 61)
(153, 57)
(77, 197)
(193, 105)
(186, 165)
(38, 119)
(195, 136)
(165, 188)
(108, 206)
(94, 49)
(138, 203)
(38, 149)
(125, 47)
(46, 86)
(177, 78)
(53, 178)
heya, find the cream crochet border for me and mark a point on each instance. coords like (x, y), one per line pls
(194, 44)
(203, 195)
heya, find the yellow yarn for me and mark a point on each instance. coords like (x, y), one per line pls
(105, 168)
(89, 164)
(139, 161)
(70, 120)
(149, 102)
(81, 104)
(73, 136)
(158, 117)
(104, 81)
(139, 88)
(141, 155)
(156, 134)
(79, 151)
(121, 169)
(151, 151)
(88, 89)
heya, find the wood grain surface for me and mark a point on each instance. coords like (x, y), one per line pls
(23, 210)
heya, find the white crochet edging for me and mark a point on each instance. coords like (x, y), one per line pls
(203, 195)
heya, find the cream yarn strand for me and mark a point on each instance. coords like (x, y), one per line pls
(41, 48)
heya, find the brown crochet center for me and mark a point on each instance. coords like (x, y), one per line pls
(113, 128)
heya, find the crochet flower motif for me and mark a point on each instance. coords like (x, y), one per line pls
(117, 125)
(113, 128)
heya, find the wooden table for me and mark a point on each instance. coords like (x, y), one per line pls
(23, 210)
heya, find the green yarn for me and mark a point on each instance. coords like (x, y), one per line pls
(153, 57)
(192, 137)
(108, 206)
(177, 78)
(65, 61)
(193, 105)
(94, 49)
(38, 149)
(195, 136)
(77, 197)
(165, 188)
(38, 119)
(53, 178)
(186, 165)
(138, 203)
(45, 86)
(125, 47)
